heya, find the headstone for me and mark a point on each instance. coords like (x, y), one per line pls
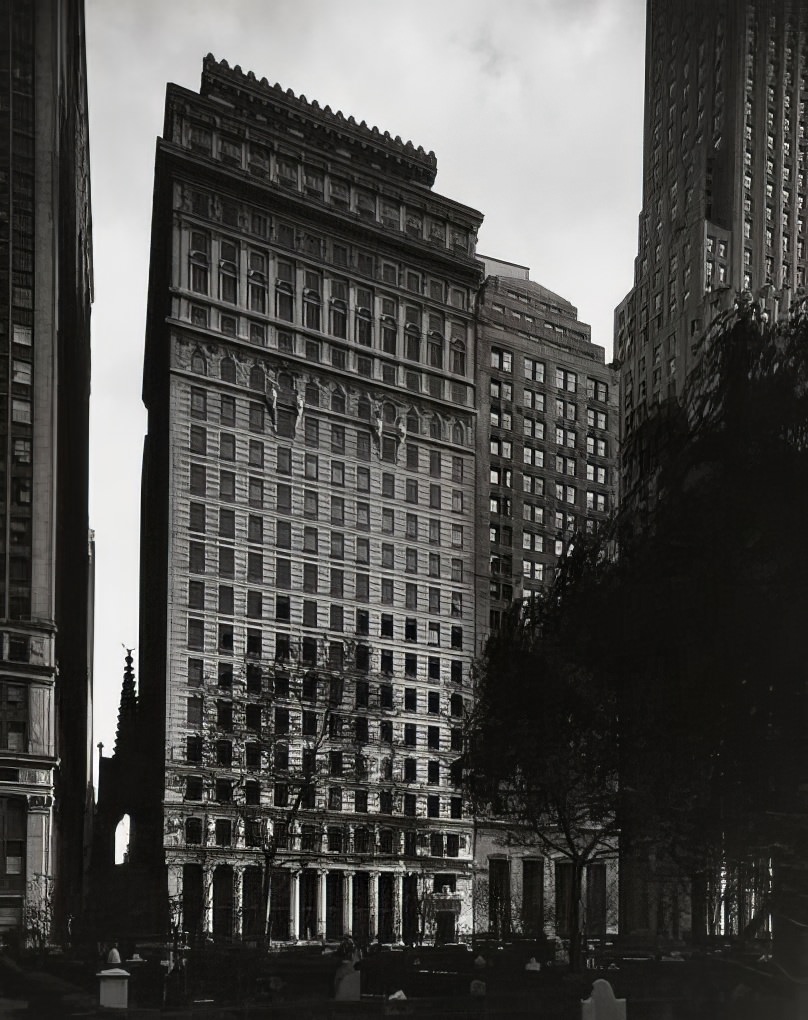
(602, 1005)
(477, 989)
(347, 984)
(113, 988)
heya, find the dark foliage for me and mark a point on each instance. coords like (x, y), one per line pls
(672, 648)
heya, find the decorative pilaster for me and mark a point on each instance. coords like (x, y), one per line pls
(373, 905)
(294, 906)
(321, 903)
(238, 899)
(208, 894)
(347, 902)
(175, 896)
(398, 896)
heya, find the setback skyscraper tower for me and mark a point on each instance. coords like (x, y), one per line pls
(724, 183)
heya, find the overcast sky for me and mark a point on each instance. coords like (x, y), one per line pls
(533, 108)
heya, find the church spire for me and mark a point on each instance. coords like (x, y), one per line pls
(127, 710)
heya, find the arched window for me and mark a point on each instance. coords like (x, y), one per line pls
(312, 300)
(313, 394)
(363, 409)
(389, 414)
(434, 346)
(257, 378)
(458, 357)
(199, 364)
(286, 382)
(338, 400)
(458, 434)
(435, 427)
(413, 424)
(412, 343)
(122, 840)
(227, 370)
(364, 327)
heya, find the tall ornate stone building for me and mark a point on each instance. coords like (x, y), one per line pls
(725, 158)
(307, 579)
(45, 548)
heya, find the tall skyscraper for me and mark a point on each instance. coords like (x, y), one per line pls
(724, 195)
(45, 554)
(724, 183)
(307, 580)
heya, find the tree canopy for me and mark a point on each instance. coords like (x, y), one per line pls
(670, 649)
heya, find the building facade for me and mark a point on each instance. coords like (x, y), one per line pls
(725, 157)
(307, 578)
(724, 195)
(45, 549)
(547, 469)
(548, 436)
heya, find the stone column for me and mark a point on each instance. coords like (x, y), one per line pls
(321, 903)
(238, 899)
(294, 906)
(373, 905)
(207, 892)
(347, 902)
(398, 896)
(175, 896)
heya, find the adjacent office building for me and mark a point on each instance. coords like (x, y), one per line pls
(307, 579)
(725, 159)
(45, 547)
(547, 470)
(548, 436)
(724, 195)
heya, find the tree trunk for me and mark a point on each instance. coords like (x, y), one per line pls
(266, 936)
(576, 956)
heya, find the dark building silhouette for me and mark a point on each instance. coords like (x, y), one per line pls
(724, 196)
(725, 157)
(46, 558)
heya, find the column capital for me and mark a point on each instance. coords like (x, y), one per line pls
(349, 872)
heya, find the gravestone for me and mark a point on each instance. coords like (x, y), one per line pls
(602, 1005)
(347, 983)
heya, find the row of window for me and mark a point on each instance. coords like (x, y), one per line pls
(336, 838)
(533, 485)
(563, 379)
(317, 576)
(229, 491)
(228, 601)
(300, 296)
(314, 687)
(502, 418)
(301, 238)
(332, 543)
(285, 418)
(535, 430)
(314, 724)
(311, 652)
(310, 722)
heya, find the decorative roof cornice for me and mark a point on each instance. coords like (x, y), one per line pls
(218, 77)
